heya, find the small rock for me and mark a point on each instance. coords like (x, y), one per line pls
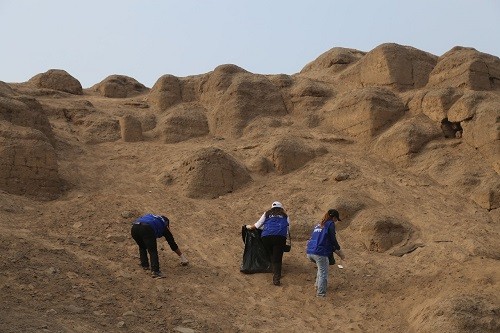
(127, 214)
(129, 313)
(77, 225)
(341, 176)
(120, 324)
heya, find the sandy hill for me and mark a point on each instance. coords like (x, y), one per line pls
(405, 144)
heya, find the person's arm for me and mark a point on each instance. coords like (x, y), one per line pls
(173, 245)
(336, 246)
(257, 224)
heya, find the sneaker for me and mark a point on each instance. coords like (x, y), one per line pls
(184, 261)
(157, 275)
(146, 268)
(320, 295)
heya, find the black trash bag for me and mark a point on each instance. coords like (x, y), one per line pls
(255, 257)
(331, 259)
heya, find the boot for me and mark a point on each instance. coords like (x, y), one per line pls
(277, 274)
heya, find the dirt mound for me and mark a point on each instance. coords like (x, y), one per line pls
(28, 163)
(482, 131)
(332, 62)
(27, 112)
(397, 66)
(364, 112)
(305, 97)
(119, 86)
(131, 129)
(57, 79)
(389, 65)
(291, 153)
(458, 313)
(211, 172)
(165, 92)
(463, 67)
(381, 232)
(5, 90)
(247, 97)
(182, 123)
(436, 103)
(406, 138)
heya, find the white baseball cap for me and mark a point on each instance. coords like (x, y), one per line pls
(277, 204)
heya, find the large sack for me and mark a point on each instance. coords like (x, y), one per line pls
(255, 257)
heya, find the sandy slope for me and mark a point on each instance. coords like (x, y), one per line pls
(70, 265)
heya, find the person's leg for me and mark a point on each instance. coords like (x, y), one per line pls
(150, 242)
(137, 235)
(322, 278)
(277, 258)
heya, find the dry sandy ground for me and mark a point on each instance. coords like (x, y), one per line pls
(70, 265)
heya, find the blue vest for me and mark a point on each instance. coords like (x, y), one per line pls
(155, 221)
(321, 242)
(275, 225)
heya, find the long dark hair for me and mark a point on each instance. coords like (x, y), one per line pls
(276, 211)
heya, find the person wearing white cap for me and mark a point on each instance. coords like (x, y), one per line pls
(275, 227)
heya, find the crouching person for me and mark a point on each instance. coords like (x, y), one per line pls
(145, 230)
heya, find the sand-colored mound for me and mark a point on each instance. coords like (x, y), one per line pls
(131, 129)
(27, 112)
(165, 92)
(406, 138)
(306, 96)
(211, 172)
(465, 107)
(28, 163)
(5, 90)
(381, 232)
(119, 86)
(463, 67)
(57, 79)
(482, 131)
(332, 62)
(436, 103)
(397, 66)
(469, 312)
(364, 112)
(247, 97)
(99, 127)
(183, 122)
(290, 153)
(389, 65)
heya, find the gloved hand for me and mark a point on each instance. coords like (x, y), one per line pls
(248, 226)
(184, 260)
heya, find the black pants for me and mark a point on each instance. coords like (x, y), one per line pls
(145, 238)
(274, 246)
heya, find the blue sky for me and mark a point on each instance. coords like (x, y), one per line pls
(146, 39)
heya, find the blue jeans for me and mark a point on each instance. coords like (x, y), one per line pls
(322, 274)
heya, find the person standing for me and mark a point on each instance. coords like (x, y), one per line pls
(275, 227)
(323, 243)
(145, 230)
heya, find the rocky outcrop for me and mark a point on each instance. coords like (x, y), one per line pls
(57, 79)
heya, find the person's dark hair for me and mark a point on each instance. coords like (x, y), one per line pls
(329, 215)
(276, 211)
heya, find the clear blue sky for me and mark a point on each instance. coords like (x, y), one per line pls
(145, 39)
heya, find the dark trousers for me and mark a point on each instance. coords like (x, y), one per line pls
(274, 246)
(145, 238)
